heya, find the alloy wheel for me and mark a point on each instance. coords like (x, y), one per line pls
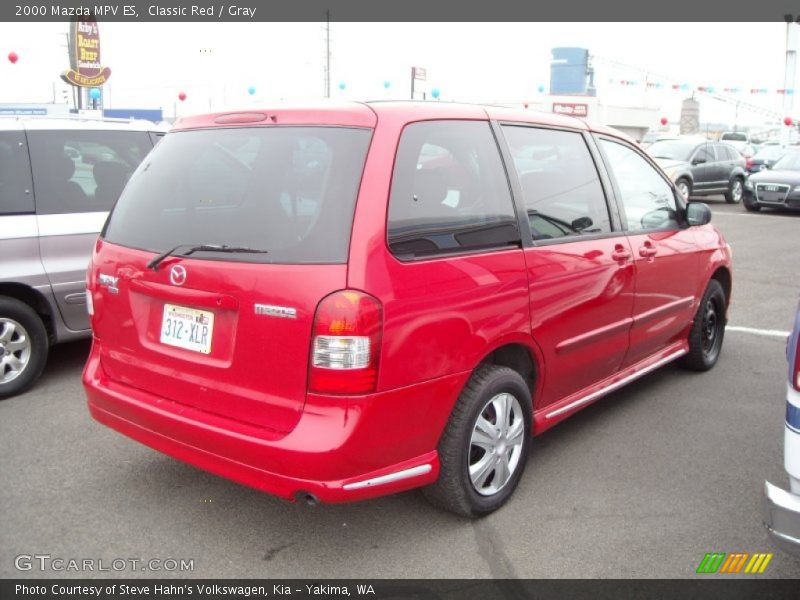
(15, 349)
(496, 444)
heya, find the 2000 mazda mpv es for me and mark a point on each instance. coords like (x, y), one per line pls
(341, 302)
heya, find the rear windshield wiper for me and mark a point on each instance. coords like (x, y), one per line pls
(153, 264)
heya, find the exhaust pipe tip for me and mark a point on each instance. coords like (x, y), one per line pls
(307, 497)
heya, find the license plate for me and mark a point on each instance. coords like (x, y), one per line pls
(187, 328)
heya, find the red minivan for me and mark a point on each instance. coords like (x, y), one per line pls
(346, 301)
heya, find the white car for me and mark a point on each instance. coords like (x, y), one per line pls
(782, 507)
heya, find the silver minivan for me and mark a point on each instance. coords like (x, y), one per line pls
(59, 177)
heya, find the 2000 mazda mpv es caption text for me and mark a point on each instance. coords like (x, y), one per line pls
(341, 302)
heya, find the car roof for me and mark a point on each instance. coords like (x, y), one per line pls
(30, 123)
(366, 114)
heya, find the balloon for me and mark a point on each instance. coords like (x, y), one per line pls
(787, 121)
(435, 93)
(182, 96)
(342, 85)
(94, 93)
(664, 120)
(13, 57)
(541, 89)
(386, 84)
(251, 90)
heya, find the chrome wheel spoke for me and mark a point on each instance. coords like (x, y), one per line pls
(15, 363)
(7, 330)
(482, 440)
(484, 427)
(480, 471)
(515, 433)
(17, 345)
(501, 409)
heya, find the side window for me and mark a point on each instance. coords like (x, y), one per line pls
(560, 185)
(647, 198)
(83, 171)
(705, 152)
(449, 191)
(15, 174)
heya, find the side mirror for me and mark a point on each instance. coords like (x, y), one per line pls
(698, 213)
(698, 160)
(581, 223)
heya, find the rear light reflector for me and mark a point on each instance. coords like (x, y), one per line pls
(796, 372)
(346, 344)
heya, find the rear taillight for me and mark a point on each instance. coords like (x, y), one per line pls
(345, 344)
(748, 163)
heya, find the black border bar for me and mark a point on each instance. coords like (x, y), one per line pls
(711, 11)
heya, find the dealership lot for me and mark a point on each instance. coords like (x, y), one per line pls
(642, 484)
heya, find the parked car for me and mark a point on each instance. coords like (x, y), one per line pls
(782, 507)
(737, 139)
(700, 168)
(776, 187)
(764, 158)
(53, 202)
(462, 279)
(654, 136)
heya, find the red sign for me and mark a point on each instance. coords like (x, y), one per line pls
(573, 110)
(84, 56)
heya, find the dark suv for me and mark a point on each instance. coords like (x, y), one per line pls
(699, 167)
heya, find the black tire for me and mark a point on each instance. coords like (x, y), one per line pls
(454, 490)
(735, 191)
(708, 330)
(18, 322)
(684, 182)
(751, 207)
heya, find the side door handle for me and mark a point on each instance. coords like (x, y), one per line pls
(620, 254)
(648, 250)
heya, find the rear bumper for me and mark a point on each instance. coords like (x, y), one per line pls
(342, 449)
(782, 517)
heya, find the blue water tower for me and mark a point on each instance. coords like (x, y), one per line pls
(571, 72)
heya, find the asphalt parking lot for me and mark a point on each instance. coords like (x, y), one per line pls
(641, 484)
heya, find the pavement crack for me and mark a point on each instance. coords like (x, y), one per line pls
(273, 552)
(491, 550)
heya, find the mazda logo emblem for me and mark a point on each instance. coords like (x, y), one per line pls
(177, 275)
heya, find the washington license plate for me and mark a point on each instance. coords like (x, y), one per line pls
(187, 328)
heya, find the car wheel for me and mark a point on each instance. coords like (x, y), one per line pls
(684, 188)
(23, 347)
(734, 193)
(484, 447)
(708, 330)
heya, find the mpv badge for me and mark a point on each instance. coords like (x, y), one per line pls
(283, 312)
(177, 275)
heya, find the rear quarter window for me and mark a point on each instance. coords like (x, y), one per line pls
(83, 171)
(15, 174)
(449, 191)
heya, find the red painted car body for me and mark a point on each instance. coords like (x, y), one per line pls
(589, 315)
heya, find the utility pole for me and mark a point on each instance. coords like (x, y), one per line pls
(788, 78)
(327, 53)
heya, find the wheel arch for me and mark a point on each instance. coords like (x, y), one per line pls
(36, 300)
(523, 357)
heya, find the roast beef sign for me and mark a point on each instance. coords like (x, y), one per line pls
(84, 56)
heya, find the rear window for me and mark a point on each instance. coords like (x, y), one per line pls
(734, 137)
(288, 190)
